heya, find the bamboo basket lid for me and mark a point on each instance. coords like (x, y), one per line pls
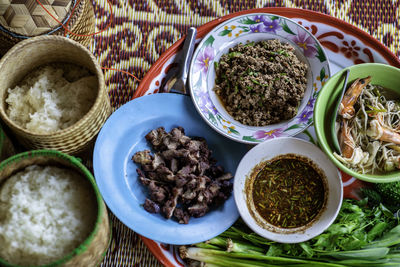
(28, 18)
(23, 19)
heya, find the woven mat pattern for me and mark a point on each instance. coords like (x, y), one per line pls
(142, 30)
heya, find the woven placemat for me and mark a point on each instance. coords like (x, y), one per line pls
(143, 29)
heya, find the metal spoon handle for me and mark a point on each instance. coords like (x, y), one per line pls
(333, 126)
(343, 90)
(187, 52)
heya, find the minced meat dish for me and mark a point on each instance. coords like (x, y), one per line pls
(261, 83)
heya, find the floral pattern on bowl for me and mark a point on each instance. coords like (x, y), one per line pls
(247, 28)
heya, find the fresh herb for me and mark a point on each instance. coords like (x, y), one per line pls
(390, 192)
(360, 236)
(255, 82)
(236, 89)
(234, 54)
(249, 88)
(283, 52)
(376, 91)
(249, 72)
(250, 44)
(374, 110)
(215, 65)
(288, 192)
(372, 196)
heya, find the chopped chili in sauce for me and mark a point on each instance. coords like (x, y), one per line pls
(288, 192)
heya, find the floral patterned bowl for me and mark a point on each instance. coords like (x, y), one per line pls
(248, 28)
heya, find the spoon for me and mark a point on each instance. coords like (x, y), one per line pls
(336, 144)
(177, 81)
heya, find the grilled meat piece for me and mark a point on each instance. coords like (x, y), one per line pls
(143, 157)
(182, 216)
(151, 206)
(182, 178)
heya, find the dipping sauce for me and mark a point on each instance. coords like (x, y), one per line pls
(288, 192)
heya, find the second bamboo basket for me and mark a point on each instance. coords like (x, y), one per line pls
(38, 51)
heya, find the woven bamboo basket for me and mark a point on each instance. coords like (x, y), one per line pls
(93, 249)
(37, 51)
(22, 20)
(84, 24)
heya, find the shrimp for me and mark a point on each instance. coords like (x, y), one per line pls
(346, 140)
(346, 107)
(379, 132)
(351, 154)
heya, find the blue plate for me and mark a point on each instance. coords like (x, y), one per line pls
(123, 135)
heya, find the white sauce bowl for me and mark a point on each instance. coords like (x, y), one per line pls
(280, 146)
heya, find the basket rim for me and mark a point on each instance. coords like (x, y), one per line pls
(88, 175)
(99, 74)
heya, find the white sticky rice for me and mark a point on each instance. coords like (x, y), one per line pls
(45, 213)
(51, 98)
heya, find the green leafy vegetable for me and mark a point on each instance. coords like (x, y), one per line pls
(390, 192)
(365, 254)
(360, 236)
(374, 199)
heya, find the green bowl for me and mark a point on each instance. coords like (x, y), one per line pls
(384, 75)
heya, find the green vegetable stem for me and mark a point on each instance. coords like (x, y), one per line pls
(360, 236)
